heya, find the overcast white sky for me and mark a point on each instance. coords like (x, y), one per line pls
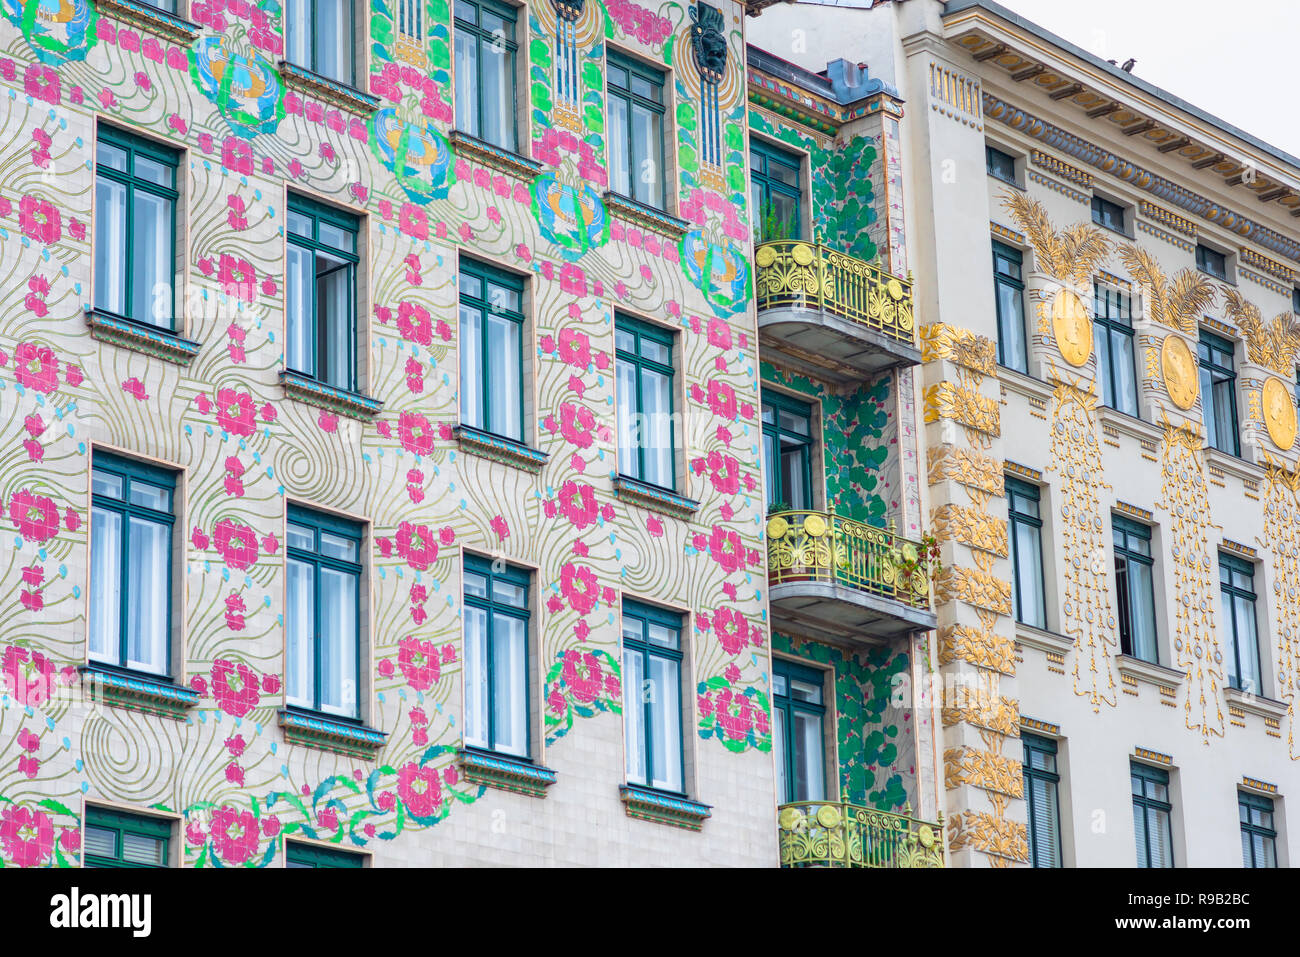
(1237, 60)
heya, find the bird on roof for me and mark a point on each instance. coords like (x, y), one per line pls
(1128, 65)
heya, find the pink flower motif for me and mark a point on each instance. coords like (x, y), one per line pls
(36, 368)
(35, 451)
(727, 549)
(416, 544)
(39, 220)
(418, 661)
(28, 741)
(722, 399)
(135, 388)
(414, 432)
(415, 323)
(234, 834)
(70, 840)
(577, 502)
(198, 539)
(579, 587)
(35, 516)
(235, 774)
(271, 684)
(386, 801)
(73, 375)
(654, 526)
(235, 412)
(420, 789)
(499, 526)
(235, 612)
(732, 629)
(26, 835)
(235, 687)
(236, 745)
(576, 424)
(582, 675)
(236, 543)
(270, 826)
(199, 684)
(270, 544)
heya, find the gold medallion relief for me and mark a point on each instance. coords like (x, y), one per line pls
(1279, 413)
(1072, 327)
(1180, 372)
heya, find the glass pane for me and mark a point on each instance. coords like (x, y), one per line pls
(809, 772)
(666, 733)
(1046, 836)
(151, 496)
(788, 421)
(1142, 597)
(1102, 335)
(110, 156)
(147, 593)
(301, 537)
(498, 95)
(628, 421)
(657, 351)
(1011, 327)
(1161, 852)
(794, 471)
(1247, 650)
(110, 245)
(101, 841)
(661, 635)
(508, 593)
(340, 634)
(297, 40)
(1139, 829)
(299, 295)
(647, 137)
(1125, 399)
(336, 237)
(510, 690)
(778, 746)
(619, 152)
(634, 716)
(476, 584)
(783, 210)
(107, 483)
(501, 298)
(504, 378)
(299, 627)
(770, 477)
(139, 849)
(805, 691)
(656, 406)
(624, 340)
(476, 677)
(151, 171)
(151, 260)
(300, 224)
(333, 34)
(333, 321)
(1029, 575)
(105, 584)
(471, 367)
(336, 546)
(466, 11)
(467, 80)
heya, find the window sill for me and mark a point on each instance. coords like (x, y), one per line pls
(138, 692)
(1234, 465)
(654, 498)
(1256, 704)
(352, 404)
(331, 91)
(1165, 680)
(330, 734)
(505, 772)
(645, 216)
(488, 446)
(1041, 640)
(648, 804)
(138, 337)
(1006, 182)
(495, 157)
(151, 18)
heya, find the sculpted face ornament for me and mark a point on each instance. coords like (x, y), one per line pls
(708, 46)
(1072, 328)
(1279, 413)
(1178, 367)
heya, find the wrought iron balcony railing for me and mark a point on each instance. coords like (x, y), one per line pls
(821, 834)
(797, 275)
(807, 546)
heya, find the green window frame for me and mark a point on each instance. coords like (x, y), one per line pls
(1112, 319)
(118, 839)
(637, 90)
(644, 374)
(1212, 262)
(321, 315)
(776, 189)
(1108, 214)
(318, 36)
(298, 854)
(1216, 357)
(133, 518)
(1042, 800)
(134, 177)
(1258, 830)
(1240, 622)
(323, 651)
(1025, 527)
(486, 29)
(797, 702)
(1009, 300)
(652, 670)
(1000, 165)
(781, 438)
(497, 689)
(1134, 571)
(1152, 815)
(492, 355)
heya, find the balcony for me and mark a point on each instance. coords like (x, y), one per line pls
(837, 317)
(817, 834)
(831, 577)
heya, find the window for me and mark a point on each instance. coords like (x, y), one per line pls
(1026, 533)
(1258, 835)
(135, 228)
(1137, 609)
(1295, 299)
(1211, 262)
(1219, 393)
(131, 519)
(322, 619)
(1042, 799)
(1151, 816)
(1107, 214)
(787, 450)
(646, 433)
(491, 354)
(321, 293)
(636, 130)
(318, 36)
(496, 657)
(117, 839)
(652, 666)
(410, 18)
(1116, 365)
(1000, 165)
(798, 716)
(1009, 286)
(309, 855)
(1237, 596)
(774, 178)
(485, 71)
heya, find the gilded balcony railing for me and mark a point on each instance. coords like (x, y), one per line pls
(796, 275)
(821, 546)
(818, 834)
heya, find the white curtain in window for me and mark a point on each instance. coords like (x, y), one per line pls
(656, 407)
(634, 716)
(297, 26)
(628, 420)
(297, 310)
(810, 782)
(476, 677)
(509, 692)
(646, 134)
(333, 36)
(467, 83)
(498, 95)
(333, 321)
(147, 580)
(105, 584)
(299, 626)
(503, 378)
(110, 245)
(666, 711)
(471, 367)
(151, 243)
(619, 177)
(338, 637)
